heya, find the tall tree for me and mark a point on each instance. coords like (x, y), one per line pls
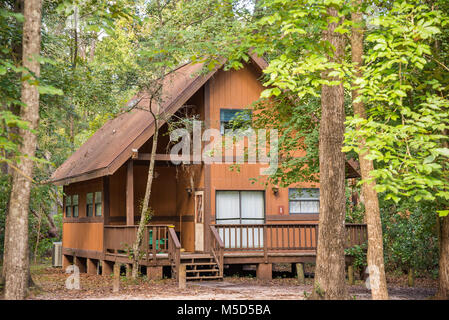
(330, 261)
(14, 107)
(375, 256)
(404, 89)
(443, 242)
(17, 259)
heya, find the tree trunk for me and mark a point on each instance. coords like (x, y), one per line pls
(17, 259)
(15, 109)
(375, 255)
(145, 207)
(443, 263)
(443, 244)
(330, 262)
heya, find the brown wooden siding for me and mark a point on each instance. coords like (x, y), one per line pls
(238, 90)
(84, 236)
(117, 194)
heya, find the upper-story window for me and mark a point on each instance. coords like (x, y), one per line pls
(71, 206)
(98, 204)
(304, 200)
(234, 119)
(75, 205)
(68, 206)
(89, 204)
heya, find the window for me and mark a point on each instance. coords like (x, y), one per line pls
(89, 204)
(234, 119)
(240, 207)
(68, 206)
(75, 205)
(98, 204)
(304, 201)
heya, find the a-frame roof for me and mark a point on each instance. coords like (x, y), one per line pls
(111, 146)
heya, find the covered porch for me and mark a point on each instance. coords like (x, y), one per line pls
(176, 196)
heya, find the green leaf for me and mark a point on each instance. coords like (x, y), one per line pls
(443, 151)
(443, 213)
(47, 89)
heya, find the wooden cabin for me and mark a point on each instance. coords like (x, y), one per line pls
(204, 215)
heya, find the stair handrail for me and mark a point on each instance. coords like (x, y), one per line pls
(217, 249)
(174, 251)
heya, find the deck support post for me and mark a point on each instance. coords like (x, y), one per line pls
(182, 276)
(411, 277)
(300, 273)
(351, 275)
(66, 261)
(264, 271)
(154, 272)
(106, 268)
(128, 270)
(130, 194)
(80, 263)
(116, 281)
(91, 266)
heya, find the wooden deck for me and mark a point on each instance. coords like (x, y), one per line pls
(230, 244)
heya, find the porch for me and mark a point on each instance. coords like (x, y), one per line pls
(260, 244)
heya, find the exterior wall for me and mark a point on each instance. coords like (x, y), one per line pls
(163, 193)
(238, 89)
(185, 206)
(83, 236)
(117, 196)
(84, 233)
(185, 203)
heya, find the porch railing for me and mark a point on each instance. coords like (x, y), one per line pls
(217, 249)
(280, 237)
(356, 234)
(120, 239)
(174, 252)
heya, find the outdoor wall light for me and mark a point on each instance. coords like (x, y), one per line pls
(275, 191)
(189, 191)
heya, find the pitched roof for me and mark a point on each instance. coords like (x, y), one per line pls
(111, 146)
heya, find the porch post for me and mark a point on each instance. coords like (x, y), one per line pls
(106, 200)
(207, 179)
(130, 194)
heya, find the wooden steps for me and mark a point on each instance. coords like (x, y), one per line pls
(201, 266)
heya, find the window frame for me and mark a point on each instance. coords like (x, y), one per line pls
(222, 110)
(264, 219)
(89, 204)
(95, 203)
(75, 205)
(68, 206)
(301, 200)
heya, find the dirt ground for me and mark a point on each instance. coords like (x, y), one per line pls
(51, 286)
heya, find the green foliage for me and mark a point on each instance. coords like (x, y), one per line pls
(408, 112)
(358, 253)
(298, 129)
(410, 236)
(4, 196)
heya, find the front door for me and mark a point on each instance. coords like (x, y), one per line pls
(199, 221)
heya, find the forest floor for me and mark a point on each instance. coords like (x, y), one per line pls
(51, 286)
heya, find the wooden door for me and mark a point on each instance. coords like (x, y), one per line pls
(199, 221)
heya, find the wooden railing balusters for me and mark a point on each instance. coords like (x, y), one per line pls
(217, 249)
